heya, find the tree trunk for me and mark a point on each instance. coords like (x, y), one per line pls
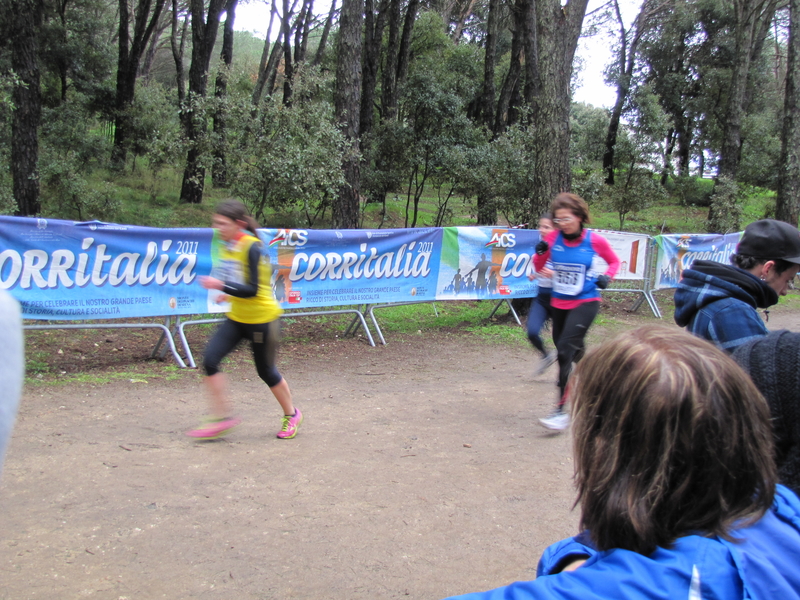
(219, 172)
(465, 14)
(129, 56)
(787, 206)
(751, 16)
(666, 167)
(404, 51)
(511, 82)
(625, 65)
(286, 34)
(488, 92)
(487, 211)
(556, 38)
(153, 46)
(370, 59)
(389, 95)
(325, 33)
(684, 126)
(347, 104)
(269, 59)
(24, 21)
(204, 34)
(178, 44)
(301, 31)
(62, 62)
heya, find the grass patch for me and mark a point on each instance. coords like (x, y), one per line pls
(141, 377)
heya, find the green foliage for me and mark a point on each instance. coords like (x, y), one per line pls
(433, 160)
(634, 193)
(287, 158)
(693, 191)
(7, 83)
(432, 141)
(725, 215)
(761, 148)
(154, 128)
(511, 173)
(78, 49)
(69, 131)
(70, 196)
(70, 153)
(589, 184)
(587, 142)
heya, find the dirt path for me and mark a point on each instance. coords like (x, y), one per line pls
(419, 472)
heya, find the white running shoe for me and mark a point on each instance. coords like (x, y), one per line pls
(558, 421)
(545, 363)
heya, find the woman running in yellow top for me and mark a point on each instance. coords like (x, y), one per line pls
(244, 281)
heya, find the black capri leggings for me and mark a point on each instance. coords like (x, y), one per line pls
(569, 330)
(263, 339)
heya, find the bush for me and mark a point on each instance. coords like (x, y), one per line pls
(693, 191)
(66, 194)
(725, 214)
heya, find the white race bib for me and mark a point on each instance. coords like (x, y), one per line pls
(569, 279)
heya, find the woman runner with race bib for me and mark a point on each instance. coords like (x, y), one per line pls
(575, 299)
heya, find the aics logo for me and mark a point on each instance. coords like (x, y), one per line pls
(290, 237)
(501, 240)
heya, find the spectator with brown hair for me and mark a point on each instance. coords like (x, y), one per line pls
(676, 482)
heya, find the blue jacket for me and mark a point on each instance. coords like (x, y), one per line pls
(718, 303)
(760, 564)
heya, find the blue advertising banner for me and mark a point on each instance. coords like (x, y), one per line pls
(64, 270)
(486, 262)
(353, 266)
(678, 252)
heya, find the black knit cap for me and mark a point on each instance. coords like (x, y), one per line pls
(770, 239)
(773, 362)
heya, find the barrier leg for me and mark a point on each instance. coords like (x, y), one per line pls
(494, 310)
(510, 309)
(653, 304)
(354, 323)
(171, 328)
(513, 312)
(160, 341)
(375, 323)
(637, 303)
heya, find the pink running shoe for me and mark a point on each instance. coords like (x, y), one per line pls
(214, 429)
(290, 425)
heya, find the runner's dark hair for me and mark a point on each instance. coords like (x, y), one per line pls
(746, 262)
(671, 437)
(236, 211)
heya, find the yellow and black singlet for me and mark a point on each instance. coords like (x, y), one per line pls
(246, 275)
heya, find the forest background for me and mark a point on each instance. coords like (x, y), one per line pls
(399, 113)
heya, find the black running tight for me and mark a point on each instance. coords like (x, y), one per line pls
(569, 330)
(263, 339)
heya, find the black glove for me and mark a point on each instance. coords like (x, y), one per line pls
(541, 247)
(602, 281)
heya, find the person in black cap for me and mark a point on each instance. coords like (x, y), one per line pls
(719, 302)
(773, 362)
